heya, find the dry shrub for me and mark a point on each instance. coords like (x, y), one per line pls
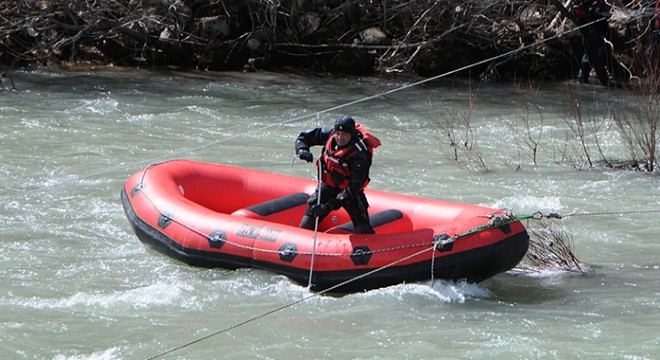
(638, 120)
(457, 138)
(550, 251)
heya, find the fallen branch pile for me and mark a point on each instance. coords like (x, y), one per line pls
(350, 36)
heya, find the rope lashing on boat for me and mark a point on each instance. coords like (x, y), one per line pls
(497, 218)
(496, 221)
(437, 243)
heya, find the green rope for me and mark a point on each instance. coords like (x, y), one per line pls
(498, 222)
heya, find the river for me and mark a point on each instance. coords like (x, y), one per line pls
(78, 284)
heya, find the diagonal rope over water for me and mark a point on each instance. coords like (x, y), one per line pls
(288, 305)
(496, 221)
(180, 152)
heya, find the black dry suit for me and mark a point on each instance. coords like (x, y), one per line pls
(345, 173)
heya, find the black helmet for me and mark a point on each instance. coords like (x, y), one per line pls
(345, 124)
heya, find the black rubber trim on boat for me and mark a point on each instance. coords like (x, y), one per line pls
(280, 204)
(471, 265)
(376, 220)
(217, 239)
(288, 252)
(361, 255)
(155, 239)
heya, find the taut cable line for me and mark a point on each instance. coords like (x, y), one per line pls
(319, 164)
(180, 152)
(539, 215)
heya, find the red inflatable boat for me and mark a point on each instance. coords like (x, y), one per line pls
(221, 216)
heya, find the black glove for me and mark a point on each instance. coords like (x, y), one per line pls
(305, 155)
(321, 210)
(312, 200)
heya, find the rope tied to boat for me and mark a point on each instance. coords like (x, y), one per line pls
(497, 218)
(441, 242)
(438, 243)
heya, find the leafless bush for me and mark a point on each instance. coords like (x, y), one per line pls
(587, 125)
(458, 139)
(638, 121)
(550, 250)
(427, 37)
(529, 134)
(638, 126)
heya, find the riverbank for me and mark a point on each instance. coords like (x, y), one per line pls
(385, 38)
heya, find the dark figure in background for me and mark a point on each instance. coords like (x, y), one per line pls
(345, 160)
(598, 52)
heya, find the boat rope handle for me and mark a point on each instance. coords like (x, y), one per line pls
(497, 218)
(433, 243)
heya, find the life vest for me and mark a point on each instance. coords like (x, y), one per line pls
(335, 162)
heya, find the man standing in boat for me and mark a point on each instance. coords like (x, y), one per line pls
(345, 162)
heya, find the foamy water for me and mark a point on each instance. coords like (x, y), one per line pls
(79, 284)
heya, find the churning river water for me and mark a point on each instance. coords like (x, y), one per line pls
(78, 284)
